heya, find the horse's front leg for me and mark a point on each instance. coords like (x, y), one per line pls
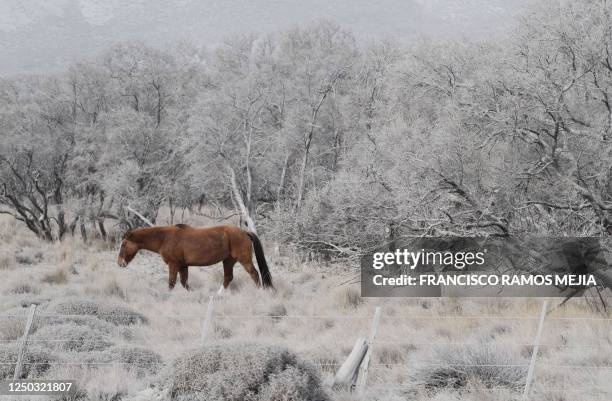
(172, 272)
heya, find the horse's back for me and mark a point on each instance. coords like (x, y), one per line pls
(191, 230)
(206, 245)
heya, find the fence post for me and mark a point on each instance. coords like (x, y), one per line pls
(23, 343)
(208, 318)
(536, 349)
(363, 370)
(348, 371)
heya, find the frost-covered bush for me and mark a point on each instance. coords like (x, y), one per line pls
(71, 338)
(58, 276)
(277, 311)
(24, 286)
(91, 322)
(135, 359)
(485, 364)
(232, 370)
(116, 314)
(28, 256)
(36, 362)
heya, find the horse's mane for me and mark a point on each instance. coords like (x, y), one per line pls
(145, 232)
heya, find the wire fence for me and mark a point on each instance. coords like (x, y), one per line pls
(374, 366)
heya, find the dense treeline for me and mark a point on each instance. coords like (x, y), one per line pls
(324, 142)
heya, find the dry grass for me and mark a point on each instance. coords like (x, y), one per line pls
(23, 286)
(8, 228)
(7, 259)
(136, 319)
(348, 297)
(58, 276)
(11, 328)
(112, 288)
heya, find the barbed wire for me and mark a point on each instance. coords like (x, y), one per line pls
(498, 343)
(376, 342)
(139, 363)
(488, 389)
(374, 366)
(491, 365)
(261, 316)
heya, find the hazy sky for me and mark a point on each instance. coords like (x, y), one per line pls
(41, 35)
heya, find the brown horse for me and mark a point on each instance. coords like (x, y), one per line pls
(181, 246)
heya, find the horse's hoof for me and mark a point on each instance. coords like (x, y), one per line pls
(221, 291)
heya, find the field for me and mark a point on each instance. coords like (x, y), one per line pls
(117, 332)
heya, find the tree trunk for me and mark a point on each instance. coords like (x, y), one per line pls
(237, 196)
(281, 183)
(83, 231)
(302, 176)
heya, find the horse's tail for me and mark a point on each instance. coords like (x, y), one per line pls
(266, 278)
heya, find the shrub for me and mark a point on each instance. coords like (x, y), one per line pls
(58, 276)
(290, 384)
(148, 394)
(72, 338)
(29, 256)
(27, 301)
(277, 311)
(24, 287)
(482, 363)
(136, 359)
(91, 322)
(36, 362)
(231, 370)
(77, 394)
(222, 331)
(116, 314)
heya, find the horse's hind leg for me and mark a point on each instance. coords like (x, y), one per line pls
(250, 268)
(228, 272)
(184, 275)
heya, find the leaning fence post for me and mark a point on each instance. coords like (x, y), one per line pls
(536, 349)
(23, 343)
(348, 371)
(208, 318)
(363, 370)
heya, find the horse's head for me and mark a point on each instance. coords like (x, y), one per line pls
(128, 250)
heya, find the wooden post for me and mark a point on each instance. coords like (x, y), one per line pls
(536, 349)
(23, 343)
(208, 319)
(348, 371)
(363, 370)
